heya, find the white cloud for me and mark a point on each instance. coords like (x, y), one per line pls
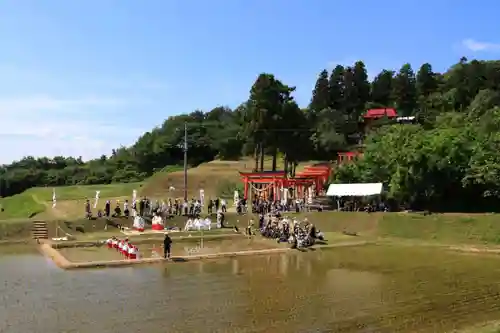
(476, 46)
(47, 103)
(46, 126)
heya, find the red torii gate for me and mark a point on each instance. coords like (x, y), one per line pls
(315, 174)
(348, 156)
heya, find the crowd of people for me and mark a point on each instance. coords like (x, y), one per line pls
(262, 206)
(282, 229)
(147, 207)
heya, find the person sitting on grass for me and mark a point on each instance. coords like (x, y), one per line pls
(320, 235)
(118, 211)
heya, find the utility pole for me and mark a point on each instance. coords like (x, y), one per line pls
(185, 162)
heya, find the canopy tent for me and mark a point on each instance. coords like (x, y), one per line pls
(354, 190)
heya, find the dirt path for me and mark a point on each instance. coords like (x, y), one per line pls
(48, 208)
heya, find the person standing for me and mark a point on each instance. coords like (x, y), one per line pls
(107, 208)
(167, 246)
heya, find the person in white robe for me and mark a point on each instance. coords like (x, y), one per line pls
(125, 249)
(207, 223)
(139, 223)
(189, 225)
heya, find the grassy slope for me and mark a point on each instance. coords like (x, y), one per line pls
(206, 176)
(20, 206)
(82, 192)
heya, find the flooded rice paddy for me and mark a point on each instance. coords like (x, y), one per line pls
(179, 248)
(362, 289)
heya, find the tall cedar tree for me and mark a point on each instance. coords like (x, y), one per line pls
(320, 96)
(362, 87)
(404, 91)
(381, 89)
(336, 86)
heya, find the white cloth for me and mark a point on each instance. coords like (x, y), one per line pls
(157, 220)
(198, 224)
(139, 222)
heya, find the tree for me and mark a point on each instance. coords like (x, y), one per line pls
(404, 91)
(381, 89)
(336, 86)
(426, 81)
(321, 96)
(361, 86)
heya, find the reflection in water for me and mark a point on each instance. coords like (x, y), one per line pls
(284, 264)
(235, 266)
(343, 290)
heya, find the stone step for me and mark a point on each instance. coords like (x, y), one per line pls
(39, 230)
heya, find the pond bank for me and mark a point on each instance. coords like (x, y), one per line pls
(61, 261)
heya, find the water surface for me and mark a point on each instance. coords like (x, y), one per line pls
(364, 289)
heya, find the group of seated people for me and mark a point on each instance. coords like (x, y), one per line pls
(124, 247)
(298, 234)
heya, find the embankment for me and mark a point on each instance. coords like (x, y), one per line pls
(64, 263)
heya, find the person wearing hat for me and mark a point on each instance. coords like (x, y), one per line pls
(167, 245)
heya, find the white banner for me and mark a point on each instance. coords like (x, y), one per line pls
(134, 197)
(202, 197)
(310, 195)
(236, 198)
(96, 198)
(284, 195)
(134, 201)
(54, 201)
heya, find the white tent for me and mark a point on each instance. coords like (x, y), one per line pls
(354, 190)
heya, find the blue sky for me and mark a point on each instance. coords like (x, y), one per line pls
(81, 77)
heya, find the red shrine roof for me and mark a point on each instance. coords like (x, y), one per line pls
(350, 153)
(379, 113)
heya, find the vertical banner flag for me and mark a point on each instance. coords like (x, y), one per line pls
(134, 200)
(202, 197)
(236, 198)
(54, 198)
(284, 197)
(134, 197)
(96, 198)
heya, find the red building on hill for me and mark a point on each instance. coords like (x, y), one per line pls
(380, 113)
(368, 119)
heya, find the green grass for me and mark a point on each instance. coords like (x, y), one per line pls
(440, 228)
(488, 327)
(20, 206)
(77, 192)
(15, 229)
(443, 228)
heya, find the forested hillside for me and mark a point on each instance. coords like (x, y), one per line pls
(452, 154)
